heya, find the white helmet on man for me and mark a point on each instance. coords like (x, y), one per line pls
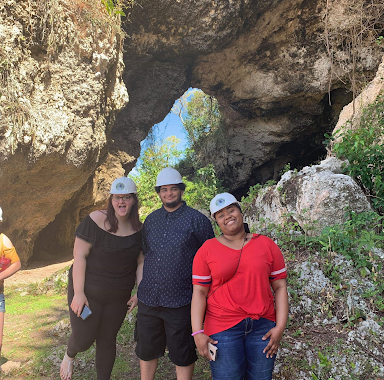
(168, 176)
(221, 201)
(123, 185)
(1, 214)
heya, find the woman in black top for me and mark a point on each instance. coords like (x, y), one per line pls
(107, 259)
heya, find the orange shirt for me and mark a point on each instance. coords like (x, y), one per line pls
(9, 253)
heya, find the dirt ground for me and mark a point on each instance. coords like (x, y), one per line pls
(37, 271)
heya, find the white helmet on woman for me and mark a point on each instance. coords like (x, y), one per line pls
(221, 201)
(123, 185)
(168, 176)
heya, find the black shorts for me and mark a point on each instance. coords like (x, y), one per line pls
(158, 327)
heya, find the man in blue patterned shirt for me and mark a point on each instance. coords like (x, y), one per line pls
(171, 237)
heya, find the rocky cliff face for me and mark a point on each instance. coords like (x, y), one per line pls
(277, 68)
(60, 88)
(63, 81)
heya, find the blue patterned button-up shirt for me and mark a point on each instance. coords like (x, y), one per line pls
(170, 242)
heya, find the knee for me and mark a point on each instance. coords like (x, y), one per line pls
(76, 344)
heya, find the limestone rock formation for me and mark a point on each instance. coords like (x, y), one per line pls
(315, 197)
(267, 62)
(60, 89)
(65, 71)
(352, 112)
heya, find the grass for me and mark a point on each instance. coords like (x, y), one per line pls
(33, 339)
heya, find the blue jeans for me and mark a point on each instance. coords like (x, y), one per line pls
(240, 352)
(2, 303)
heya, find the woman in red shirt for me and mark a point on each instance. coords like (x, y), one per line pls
(233, 278)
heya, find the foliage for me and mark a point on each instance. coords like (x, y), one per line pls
(361, 232)
(324, 366)
(247, 200)
(363, 147)
(113, 8)
(199, 114)
(204, 127)
(203, 188)
(253, 192)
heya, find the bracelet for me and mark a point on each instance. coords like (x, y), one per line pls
(197, 332)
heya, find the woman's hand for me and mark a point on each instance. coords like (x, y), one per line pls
(201, 341)
(275, 336)
(132, 303)
(78, 302)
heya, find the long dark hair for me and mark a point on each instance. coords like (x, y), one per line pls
(133, 216)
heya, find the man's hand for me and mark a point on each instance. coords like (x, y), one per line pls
(132, 303)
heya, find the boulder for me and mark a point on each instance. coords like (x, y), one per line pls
(315, 197)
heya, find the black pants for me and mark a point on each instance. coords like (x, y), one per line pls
(109, 307)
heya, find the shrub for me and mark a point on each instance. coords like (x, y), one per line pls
(363, 147)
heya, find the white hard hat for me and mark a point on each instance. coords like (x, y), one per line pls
(1, 214)
(168, 176)
(123, 185)
(221, 201)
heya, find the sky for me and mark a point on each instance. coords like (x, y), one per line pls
(170, 126)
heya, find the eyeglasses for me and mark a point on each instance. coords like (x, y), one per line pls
(124, 198)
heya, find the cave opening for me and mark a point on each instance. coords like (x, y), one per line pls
(305, 149)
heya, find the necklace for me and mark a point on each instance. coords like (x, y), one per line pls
(233, 241)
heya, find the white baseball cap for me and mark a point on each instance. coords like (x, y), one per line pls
(221, 201)
(168, 176)
(123, 185)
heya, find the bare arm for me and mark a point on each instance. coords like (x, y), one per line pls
(14, 267)
(81, 250)
(139, 276)
(281, 304)
(199, 304)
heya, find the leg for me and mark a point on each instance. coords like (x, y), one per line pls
(112, 318)
(181, 345)
(150, 335)
(83, 333)
(230, 361)
(259, 367)
(2, 312)
(1, 329)
(185, 373)
(148, 369)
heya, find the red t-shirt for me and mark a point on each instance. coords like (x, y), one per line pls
(248, 293)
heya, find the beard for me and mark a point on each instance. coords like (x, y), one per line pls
(174, 203)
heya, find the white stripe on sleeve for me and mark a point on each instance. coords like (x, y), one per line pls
(278, 271)
(201, 277)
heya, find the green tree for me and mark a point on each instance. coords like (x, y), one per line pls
(204, 127)
(199, 114)
(203, 188)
